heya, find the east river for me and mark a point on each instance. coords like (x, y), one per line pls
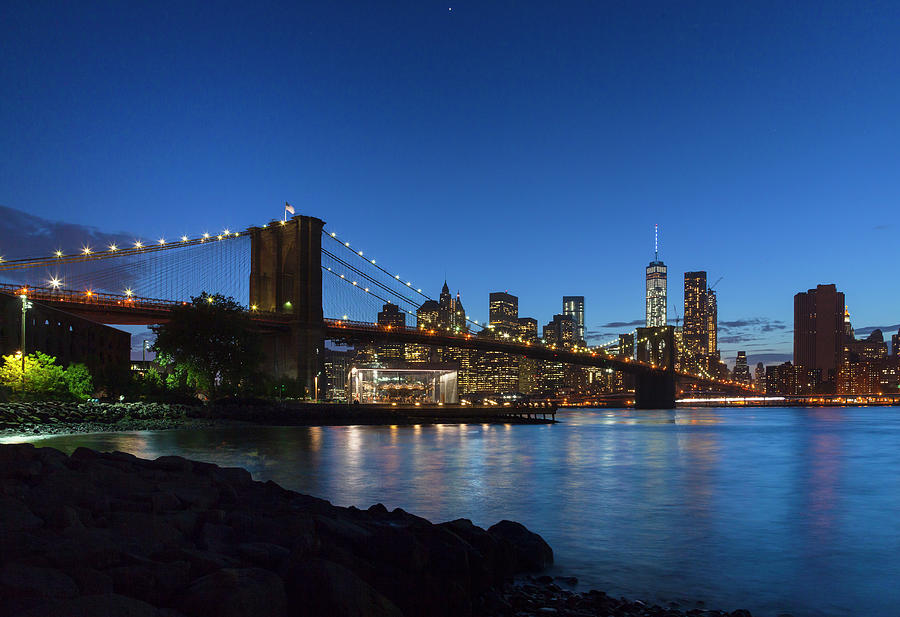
(774, 510)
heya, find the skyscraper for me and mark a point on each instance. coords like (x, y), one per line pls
(573, 306)
(819, 332)
(712, 323)
(560, 331)
(504, 313)
(741, 368)
(696, 320)
(391, 315)
(656, 289)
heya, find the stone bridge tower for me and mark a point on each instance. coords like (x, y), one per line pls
(286, 277)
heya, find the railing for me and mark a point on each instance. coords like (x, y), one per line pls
(89, 297)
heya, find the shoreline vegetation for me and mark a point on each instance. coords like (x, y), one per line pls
(54, 417)
(108, 533)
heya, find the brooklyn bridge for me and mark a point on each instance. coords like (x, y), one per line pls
(301, 285)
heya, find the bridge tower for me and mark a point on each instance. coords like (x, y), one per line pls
(286, 277)
(656, 390)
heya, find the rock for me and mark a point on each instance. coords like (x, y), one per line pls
(161, 502)
(530, 549)
(24, 581)
(236, 592)
(320, 588)
(100, 605)
(15, 516)
(263, 554)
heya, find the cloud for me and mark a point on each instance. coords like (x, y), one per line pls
(887, 330)
(26, 235)
(764, 324)
(769, 358)
(624, 324)
(736, 338)
(882, 226)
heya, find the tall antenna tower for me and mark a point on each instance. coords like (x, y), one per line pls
(656, 241)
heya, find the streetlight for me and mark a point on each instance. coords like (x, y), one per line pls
(25, 306)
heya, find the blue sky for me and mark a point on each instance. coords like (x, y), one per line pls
(521, 146)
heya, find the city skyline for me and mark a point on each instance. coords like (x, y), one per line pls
(613, 130)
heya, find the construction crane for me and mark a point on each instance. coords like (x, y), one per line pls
(713, 286)
(677, 316)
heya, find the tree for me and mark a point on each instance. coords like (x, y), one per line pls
(79, 382)
(210, 343)
(42, 375)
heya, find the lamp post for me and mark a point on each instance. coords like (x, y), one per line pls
(25, 306)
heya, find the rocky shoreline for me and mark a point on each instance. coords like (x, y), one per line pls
(110, 534)
(54, 418)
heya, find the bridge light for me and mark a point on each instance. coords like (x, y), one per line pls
(252, 307)
(162, 241)
(345, 317)
(408, 284)
(138, 245)
(342, 276)
(332, 234)
(419, 290)
(284, 222)
(373, 262)
(89, 293)
(346, 244)
(205, 236)
(359, 253)
(184, 238)
(219, 237)
(397, 276)
(354, 282)
(113, 248)
(367, 289)
(226, 232)
(86, 250)
(129, 293)
(54, 283)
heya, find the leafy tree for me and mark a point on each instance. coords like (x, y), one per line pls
(208, 345)
(43, 377)
(79, 381)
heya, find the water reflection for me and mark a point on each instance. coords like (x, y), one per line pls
(758, 508)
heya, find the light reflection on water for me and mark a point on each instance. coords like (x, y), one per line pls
(774, 510)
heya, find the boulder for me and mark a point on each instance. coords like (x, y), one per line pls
(530, 549)
(236, 592)
(320, 588)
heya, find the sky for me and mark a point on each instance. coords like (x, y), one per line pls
(527, 147)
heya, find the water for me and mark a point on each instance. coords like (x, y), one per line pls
(773, 510)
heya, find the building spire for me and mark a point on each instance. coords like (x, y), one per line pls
(656, 241)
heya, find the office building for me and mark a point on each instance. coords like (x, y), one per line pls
(895, 344)
(391, 315)
(696, 322)
(759, 377)
(819, 333)
(712, 324)
(560, 331)
(504, 313)
(573, 306)
(528, 367)
(741, 371)
(656, 287)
